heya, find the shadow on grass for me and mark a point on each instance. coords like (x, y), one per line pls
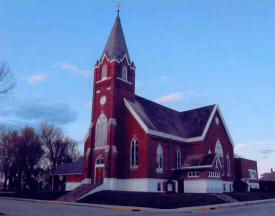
(39, 195)
(242, 197)
(151, 200)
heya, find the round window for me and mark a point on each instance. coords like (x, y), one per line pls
(103, 100)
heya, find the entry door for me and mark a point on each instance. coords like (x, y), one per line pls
(180, 186)
(99, 175)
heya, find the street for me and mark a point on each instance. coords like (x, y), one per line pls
(25, 208)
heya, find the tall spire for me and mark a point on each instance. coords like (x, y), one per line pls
(116, 47)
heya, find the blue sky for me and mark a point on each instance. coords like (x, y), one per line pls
(187, 54)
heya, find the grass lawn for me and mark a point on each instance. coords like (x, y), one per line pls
(242, 197)
(151, 200)
(40, 195)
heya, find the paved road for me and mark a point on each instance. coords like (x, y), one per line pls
(264, 209)
(23, 208)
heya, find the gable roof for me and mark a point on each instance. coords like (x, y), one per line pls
(187, 126)
(268, 177)
(70, 168)
(116, 48)
(195, 161)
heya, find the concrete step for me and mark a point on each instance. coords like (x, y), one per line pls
(226, 198)
(77, 192)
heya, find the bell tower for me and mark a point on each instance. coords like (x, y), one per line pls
(114, 80)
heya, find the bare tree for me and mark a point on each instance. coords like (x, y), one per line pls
(59, 149)
(7, 81)
(30, 153)
(7, 140)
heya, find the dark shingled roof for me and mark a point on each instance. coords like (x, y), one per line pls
(116, 47)
(70, 168)
(199, 160)
(185, 124)
(268, 177)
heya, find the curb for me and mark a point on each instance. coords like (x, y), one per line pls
(141, 209)
(79, 204)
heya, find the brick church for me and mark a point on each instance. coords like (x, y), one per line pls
(134, 144)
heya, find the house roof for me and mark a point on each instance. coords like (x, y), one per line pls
(116, 48)
(70, 168)
(198, 160)
(268, 177)
(185, 124)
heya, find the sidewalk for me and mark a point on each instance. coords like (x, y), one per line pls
(132, 208)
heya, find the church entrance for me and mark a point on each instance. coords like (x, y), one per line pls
(181, 186)
(99, 170)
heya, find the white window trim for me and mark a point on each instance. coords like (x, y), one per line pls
(98, 135)
(191, 176)
(126, 75)
(103, 79)
(135, 140)
(219, 153)
(214, 175)
(124, 80)
(106, 75)
(254, 174)
(159, 162)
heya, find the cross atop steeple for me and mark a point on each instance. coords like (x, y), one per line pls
(118, 5)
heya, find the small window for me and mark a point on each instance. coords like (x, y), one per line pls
(124, 73)
(134, 153)
(224, 187)
(104, 72)
(100, 160)
(159, 186)
(193, 174)
(159, 159)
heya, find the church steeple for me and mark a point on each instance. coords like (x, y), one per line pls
(116, 48)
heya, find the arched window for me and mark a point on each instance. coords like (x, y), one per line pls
(134, 153)
(104, 72)
(159, 159)
(99, 160)
(124, 72)
(228, 165)
(219, 152)
(178, 159)
(101, 131)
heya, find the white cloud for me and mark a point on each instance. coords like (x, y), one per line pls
(138, 84)
(88, 104)
(72, 68)
(163, 79)
(36, 78)
(169, 98)
(241, 145)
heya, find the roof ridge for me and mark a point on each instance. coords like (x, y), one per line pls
(159, 104)
(199, 108)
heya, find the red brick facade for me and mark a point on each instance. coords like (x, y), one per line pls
(123, 127)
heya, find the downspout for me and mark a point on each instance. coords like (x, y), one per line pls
(170, 161)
